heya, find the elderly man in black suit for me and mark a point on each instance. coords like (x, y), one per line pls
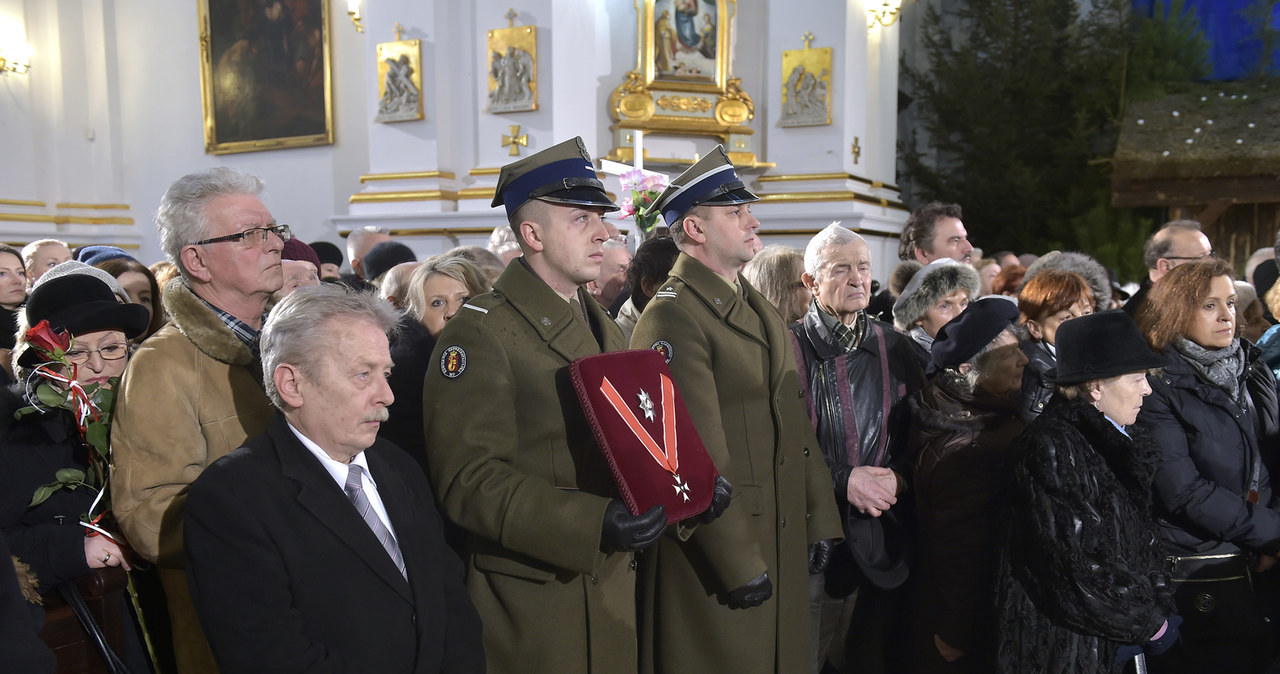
(317, 546)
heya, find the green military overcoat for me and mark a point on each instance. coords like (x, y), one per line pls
(513, 463)
(733, 361)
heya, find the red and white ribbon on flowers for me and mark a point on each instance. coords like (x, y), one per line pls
(668, 454)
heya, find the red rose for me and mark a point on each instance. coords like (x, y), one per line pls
(52, 342)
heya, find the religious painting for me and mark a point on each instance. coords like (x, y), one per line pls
(513, 68)
(399, 81)
(265, 74)
(806, 88)
(685, 43)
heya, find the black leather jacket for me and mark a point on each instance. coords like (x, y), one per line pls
(852, 395)
(853, 401)
(1036, 389)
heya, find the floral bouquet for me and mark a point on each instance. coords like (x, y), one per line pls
(643, 188)
(53, 385)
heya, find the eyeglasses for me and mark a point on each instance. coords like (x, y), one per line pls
(1192, 259)
(249, 238)
(619, 238)
(107, 352)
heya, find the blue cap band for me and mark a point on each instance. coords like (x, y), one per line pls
(698, 192)
(521, 189)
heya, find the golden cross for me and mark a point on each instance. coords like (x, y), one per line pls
(857, 150)
(511, 22)
(398, 29)
(521, 140)
(808, 37)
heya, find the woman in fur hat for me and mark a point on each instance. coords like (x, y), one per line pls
(934, 295)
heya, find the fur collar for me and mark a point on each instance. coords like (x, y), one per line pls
(198, 323)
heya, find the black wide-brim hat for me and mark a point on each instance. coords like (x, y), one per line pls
(561, 174)
(78, 304)
(1100, 346)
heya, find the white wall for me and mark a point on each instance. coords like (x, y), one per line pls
(111, 113)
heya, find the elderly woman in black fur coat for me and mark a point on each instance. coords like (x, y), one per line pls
(1082, 585)
(964, 424)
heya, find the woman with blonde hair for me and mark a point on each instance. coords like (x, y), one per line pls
(1212, 414)
(437, 290)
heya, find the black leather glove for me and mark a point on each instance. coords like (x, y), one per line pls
(819, 556)
(754, 593)
(1166, 640)
(720, 497)
(624, 532)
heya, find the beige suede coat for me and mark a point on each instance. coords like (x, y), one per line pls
(191, 394)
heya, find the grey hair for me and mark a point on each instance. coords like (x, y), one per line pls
(299, 327)
(815, 254)
(183, 218)
(356, 237)
(29, 251)
(503, 241)
(458, 268)
(394, 283)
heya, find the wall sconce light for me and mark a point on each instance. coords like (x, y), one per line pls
(15, 59)
(885, 15)
(353, 9)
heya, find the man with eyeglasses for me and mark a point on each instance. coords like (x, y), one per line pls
(193, 392)
(1177, 242)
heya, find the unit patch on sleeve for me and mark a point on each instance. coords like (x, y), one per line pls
(664, 347)
(453, 362)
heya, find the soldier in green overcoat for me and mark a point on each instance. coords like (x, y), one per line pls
(549, 548)
(733, 597)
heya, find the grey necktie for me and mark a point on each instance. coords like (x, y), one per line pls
(355, 492)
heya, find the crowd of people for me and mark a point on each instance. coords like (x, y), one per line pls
(993, 464)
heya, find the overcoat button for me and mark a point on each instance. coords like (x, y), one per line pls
(806, 451)
(784, 522)
(808, 516)
(782, 459)
(594, 580)
(634, 564)
(800, 393)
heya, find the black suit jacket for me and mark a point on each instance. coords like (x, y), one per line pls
(287, 577)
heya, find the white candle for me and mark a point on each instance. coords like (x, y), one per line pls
(639, 149)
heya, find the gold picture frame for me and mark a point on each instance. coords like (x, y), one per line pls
(399, 81)
(513, 68)
(265, 75)
(685, 44)
(806, 85)
(661, 98)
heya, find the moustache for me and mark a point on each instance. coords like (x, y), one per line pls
(381, 414)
